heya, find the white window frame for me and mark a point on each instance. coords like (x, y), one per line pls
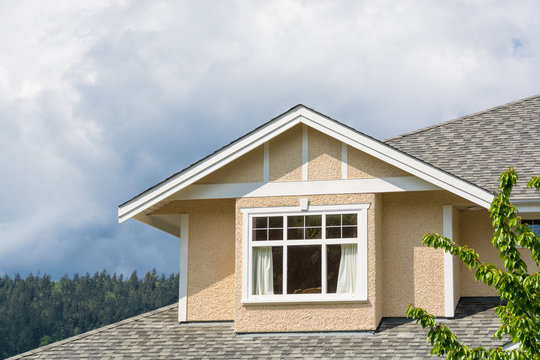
(361, 241)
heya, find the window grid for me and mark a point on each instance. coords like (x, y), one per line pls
(324, 241)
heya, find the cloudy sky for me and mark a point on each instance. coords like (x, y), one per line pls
(100, 100)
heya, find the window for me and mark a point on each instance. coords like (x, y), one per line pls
(297, 256)
(534, 225)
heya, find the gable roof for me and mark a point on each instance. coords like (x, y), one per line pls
(479, 147)
(157, 335)
(301, 114)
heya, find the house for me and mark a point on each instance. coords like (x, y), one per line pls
(303, 239)
(307, 225)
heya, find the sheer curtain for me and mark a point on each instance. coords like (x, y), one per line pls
(346, 283)
(263, 271)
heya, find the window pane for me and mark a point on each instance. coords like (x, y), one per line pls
(347, 276)
(535, 228)
(333, 220)
(277, 257)
(314, 220)
(260, 222)
(534, 225)
(267, 270)
(304, 269)
(349, 219)
(295, 221)
(333, 232)
(313, 233)
(295, 234)
(333, 257)
(349, 232)
(259, 235)
(275, 221)
(275, 234)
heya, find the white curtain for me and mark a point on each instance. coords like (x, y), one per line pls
(346, 283)
(263, 271)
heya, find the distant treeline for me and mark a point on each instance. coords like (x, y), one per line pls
(36, 311)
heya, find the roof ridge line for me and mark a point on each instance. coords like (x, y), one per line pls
(498, 107)
(92, 332)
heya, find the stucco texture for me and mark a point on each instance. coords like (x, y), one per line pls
(285, 160)
(324, 156)
(247, 168)
(476, 232)
(413, 273)
(362, 165)
(308, 317)
(210, 257)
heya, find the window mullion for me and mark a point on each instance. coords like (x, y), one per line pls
(324, 276)
(323, 270)
(284, 267)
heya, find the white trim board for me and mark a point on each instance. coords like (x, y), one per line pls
(301, 188)
(183, 277)
(282, 123)
(361, 240)
(526, 206)
(449, 304)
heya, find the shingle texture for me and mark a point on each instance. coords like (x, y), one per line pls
(157, 335)
(479, 147)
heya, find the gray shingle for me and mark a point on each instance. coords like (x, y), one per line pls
(157, 335)
(479, 147)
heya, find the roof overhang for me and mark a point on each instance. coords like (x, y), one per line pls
(303, 115)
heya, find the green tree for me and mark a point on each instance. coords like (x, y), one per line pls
(520, 316)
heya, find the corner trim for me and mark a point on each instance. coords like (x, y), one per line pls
(449, 305)
(183, 276)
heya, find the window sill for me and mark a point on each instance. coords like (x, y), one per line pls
(296, 299)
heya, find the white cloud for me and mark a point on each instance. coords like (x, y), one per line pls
(100, 100)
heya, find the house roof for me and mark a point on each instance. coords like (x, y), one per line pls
(157, 335)
(479, 147)
(301, 114)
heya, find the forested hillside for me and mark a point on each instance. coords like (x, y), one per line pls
(35, 311)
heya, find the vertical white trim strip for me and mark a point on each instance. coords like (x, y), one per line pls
(304, 152)
(285, 268)
(449, 305)
(344, 161)
(362, 279)
(324, 275)
(246, 277)
(266, 162)
(183, 276)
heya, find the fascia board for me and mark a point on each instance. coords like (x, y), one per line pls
(526, 205)
(213, 163)
(400, 160)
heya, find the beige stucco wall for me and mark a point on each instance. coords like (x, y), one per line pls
(476, 232)
(247, 168)
(413, 273)
(307, 317)
(285, 158)
(210, 257)
(324, 156)
(285, 161)
(362, 165)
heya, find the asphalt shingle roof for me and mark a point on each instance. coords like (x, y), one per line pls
(157, 335)
(479, 147)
